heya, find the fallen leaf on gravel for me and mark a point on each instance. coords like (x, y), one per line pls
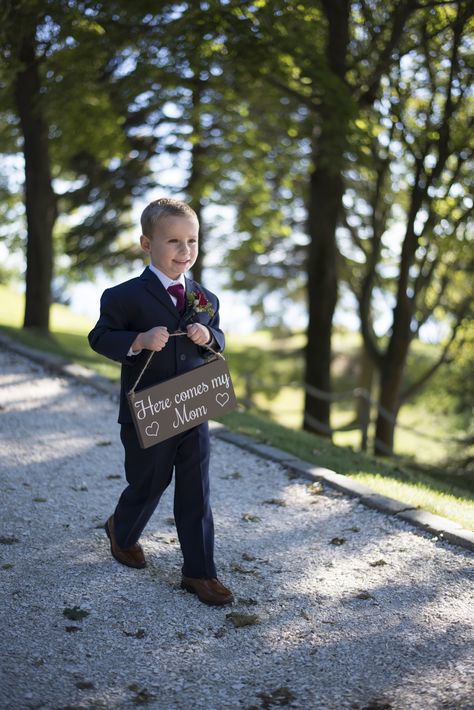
(246, 556)
(315, 488)
(220, 632)
(364, 595)
(250, 518)
(84, 685)
(8, 540)
(103, 443)
(7, 565)
(169, 540)
(240, 620)
(235, 567)
(113, 476)
(337, 541)
(40, 500)
(75, 613)
(354, 529)
(275, 501)
(72, 629)
(378, 563)
(170, 521)
(280, 696)
(232, 476)
(248, 602)
(136, 634)
(143, 697)
(328, 622)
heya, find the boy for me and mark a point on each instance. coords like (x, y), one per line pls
(138, 316)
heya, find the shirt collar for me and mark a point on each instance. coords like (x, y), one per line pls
(165, 280)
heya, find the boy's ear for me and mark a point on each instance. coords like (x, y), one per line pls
(145, 243)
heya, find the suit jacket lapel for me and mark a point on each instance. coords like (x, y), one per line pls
(191, 285)
(156, 288)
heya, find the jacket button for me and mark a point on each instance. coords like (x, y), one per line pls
(182, 356)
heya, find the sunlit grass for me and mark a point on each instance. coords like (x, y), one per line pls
(63, 320)
(421, 495)
(442, 496)
(68, 336)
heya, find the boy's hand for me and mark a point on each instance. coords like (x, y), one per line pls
(199, 334)
(153, 339)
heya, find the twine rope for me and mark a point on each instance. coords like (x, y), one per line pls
(176, 333)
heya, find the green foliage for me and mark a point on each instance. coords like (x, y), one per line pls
(90, 94)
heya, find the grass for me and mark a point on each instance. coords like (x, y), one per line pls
(433, 492)
(68, 336)
(275, 362)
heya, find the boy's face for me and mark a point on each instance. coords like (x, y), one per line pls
(173, 246)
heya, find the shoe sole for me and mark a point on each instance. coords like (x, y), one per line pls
(188, 588)
(122, 562)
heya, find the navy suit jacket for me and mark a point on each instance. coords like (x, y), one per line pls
(136, 306)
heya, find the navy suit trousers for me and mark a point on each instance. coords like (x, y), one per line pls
(149, 473)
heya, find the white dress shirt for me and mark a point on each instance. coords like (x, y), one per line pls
(167, 282)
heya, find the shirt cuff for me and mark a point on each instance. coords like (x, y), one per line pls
(131, 353)
(212, 341)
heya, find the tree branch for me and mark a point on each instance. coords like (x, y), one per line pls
(397, 22)
(416, 386)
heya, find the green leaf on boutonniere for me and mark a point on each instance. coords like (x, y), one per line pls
(197, 302)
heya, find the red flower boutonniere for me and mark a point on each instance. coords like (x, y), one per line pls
(198, 303)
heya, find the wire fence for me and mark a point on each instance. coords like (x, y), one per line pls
(367, 410)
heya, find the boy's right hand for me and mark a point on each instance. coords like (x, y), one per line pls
(153, 339)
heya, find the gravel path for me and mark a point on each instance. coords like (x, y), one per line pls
(353, 609)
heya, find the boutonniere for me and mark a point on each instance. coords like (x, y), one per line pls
(198, 303)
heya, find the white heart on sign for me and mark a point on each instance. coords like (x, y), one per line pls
(222, 399)
(153, 429)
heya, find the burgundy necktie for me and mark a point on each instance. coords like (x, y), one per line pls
(177, 290)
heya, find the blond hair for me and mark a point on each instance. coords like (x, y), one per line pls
(164, 207)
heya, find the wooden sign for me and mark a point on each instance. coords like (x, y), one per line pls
(178, 404)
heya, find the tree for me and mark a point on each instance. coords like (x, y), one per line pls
(40, 201)
(417, 173)
(328, 60)
(69, 94)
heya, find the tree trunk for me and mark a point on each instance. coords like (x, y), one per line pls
(195, 182)
(40, 200)
(324, 210)
(325, 201)
(198, 265)
(365, 382)
(391, 372)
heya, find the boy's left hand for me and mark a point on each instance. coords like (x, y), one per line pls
(199, 334)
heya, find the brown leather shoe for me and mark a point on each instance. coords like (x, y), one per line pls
(209, 591)
(131, 556)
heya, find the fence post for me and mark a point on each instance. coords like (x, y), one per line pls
(363, 412)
